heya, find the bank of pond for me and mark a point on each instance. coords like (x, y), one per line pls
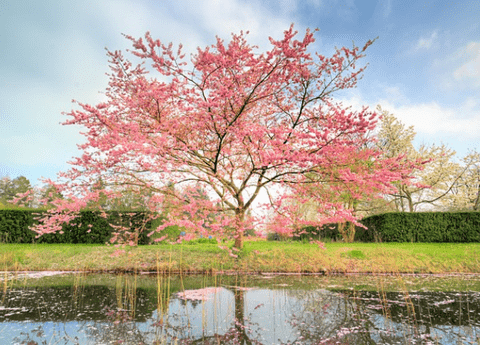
(81, 308)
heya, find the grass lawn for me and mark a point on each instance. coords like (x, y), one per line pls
(256, 257)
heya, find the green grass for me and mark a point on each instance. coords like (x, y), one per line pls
(256, 257)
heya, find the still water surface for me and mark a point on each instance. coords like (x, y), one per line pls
(142, 309)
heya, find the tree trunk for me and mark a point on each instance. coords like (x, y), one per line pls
(347, 230)
(240, 219)
(239, 241)
(351, 232)
(476, 205)
(410, 204)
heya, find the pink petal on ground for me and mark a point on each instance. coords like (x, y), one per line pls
(200, 294)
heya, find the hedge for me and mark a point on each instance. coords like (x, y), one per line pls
(406, 227)
(421, 227)
(15, 223)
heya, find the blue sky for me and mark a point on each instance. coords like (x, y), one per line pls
(424, 67)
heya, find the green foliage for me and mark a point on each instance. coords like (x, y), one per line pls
(426, 227)
(10, 188)
(14, 227)
(421, 227)
(172, 232)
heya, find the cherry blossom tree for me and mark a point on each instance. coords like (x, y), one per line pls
(231, 122)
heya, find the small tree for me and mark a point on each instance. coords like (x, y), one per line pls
(434, 179)
(235, 122)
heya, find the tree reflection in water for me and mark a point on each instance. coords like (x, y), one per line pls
(233, 314)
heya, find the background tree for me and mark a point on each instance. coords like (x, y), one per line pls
(433, 180)
(10, 188)
(236, 122)
(442, 183)
(47, 194)
(131, 199)
(98, 199)
(465, 192)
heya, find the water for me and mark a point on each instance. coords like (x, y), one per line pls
(141, 309)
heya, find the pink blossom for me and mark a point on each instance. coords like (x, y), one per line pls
(199, 294)
(117, 253)
(206, 136)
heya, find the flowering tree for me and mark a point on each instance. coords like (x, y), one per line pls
(435, 181)
(231, 123)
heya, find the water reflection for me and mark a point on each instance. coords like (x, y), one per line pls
(108, 309)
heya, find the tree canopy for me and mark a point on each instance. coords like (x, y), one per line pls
(234, 122)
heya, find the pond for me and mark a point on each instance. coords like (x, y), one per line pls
(265, 309)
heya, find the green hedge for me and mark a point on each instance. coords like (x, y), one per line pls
(14, 227)
(424, 227)
(388, 227)
(421, 227)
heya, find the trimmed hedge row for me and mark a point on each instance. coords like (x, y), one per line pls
(421, 227)
(388, 227)
(14, 227)
(424, 227)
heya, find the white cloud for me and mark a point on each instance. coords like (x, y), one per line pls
(224, 17)
(135, 19)
(433, 119)
(395, 94)
(127, 17)
(64, 58)
(433, 122)
(471, 103)
(469, 71)
(199, 23)
(460, 70)
(426, 43)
